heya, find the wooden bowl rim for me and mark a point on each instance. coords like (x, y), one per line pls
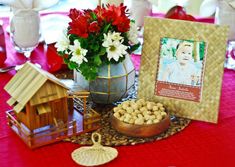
(167, 117)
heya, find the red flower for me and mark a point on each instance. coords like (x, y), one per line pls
(100, 13)
(111, 12)
(79, 27)
(115, 15)
(120, 20)
(74, 13)
(87, 21)
(94, 27)
(122, 24)
(87, 14)
(108, 16)
(118, 10)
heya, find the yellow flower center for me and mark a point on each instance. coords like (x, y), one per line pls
(78, 52)
(112, 48)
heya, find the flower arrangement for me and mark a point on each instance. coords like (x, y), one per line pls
(96, 37)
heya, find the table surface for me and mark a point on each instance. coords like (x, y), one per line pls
(200, 144)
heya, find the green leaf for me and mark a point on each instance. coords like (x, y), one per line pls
(66, 61)
(94, 47)
(73, 37)
(61, 53)
(134, 47)
(89, 71)
(133, 21)
(102, 51)
(97, 60)
(83, 42)
(93, 16)
(106, 28)
(72, 65)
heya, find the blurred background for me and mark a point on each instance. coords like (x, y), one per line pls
(161, 6)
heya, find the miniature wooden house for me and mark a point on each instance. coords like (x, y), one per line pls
(38, 98)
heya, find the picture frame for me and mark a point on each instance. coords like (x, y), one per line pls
(182, 66)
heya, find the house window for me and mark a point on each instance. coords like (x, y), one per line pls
(43, 108)
(48, 95)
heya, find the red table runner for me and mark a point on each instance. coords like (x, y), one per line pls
(200, 144)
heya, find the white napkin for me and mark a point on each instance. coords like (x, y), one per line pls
(232, 3)
(29, 4)
(154, 2)
(208, 7)
(52, 27)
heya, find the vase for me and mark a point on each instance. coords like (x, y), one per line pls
(112, 83)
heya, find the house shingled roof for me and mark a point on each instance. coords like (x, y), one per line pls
(27, 81)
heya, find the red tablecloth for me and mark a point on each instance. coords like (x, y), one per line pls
(200, 144)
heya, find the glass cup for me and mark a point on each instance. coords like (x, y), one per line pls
(25, 31)
(225, 15)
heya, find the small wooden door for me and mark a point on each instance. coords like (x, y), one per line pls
(60, 109)
(43, 115)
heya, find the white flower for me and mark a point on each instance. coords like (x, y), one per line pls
(116, 50)
(107, 41)
(114, 47)
(116, 36)
(62, 42)
(78, 53)
(132, 34)
(110, 37)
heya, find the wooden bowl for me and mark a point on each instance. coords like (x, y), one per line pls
(140, 130)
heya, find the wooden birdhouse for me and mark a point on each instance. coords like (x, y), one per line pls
(37, 97)
(41, 114)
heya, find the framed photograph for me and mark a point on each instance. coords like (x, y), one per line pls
(182, 66)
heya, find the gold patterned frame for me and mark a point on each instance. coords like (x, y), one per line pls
(215, 37)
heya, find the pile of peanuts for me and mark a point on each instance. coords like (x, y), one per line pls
(140, 112)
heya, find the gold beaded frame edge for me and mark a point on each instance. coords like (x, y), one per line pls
(216, 38)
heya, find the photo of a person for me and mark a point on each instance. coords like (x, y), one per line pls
(185, 66)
